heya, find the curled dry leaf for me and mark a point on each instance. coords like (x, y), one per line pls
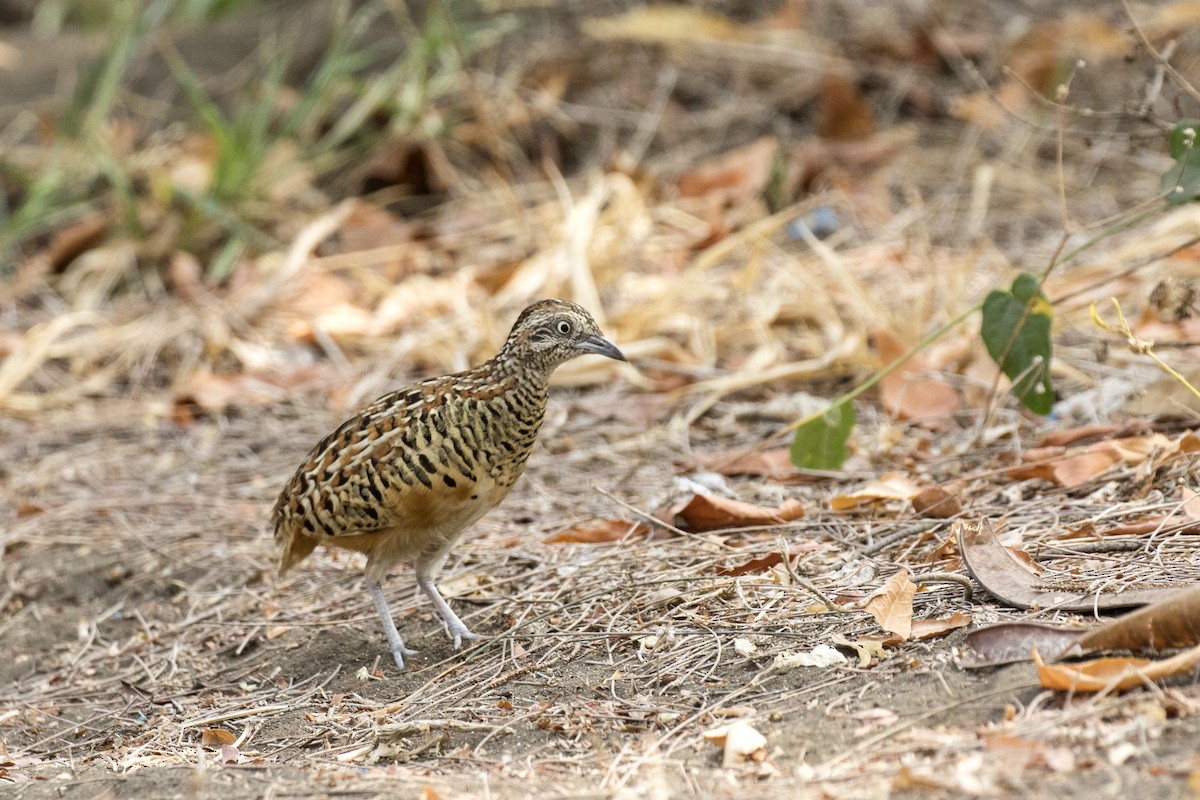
(1001, 574)
(704, 512)
(822, 655)
(1076, 466)
(869, 648)
(1108, 674)
(1069, 436)
(214, 738)
(600, 532)
(892, 486)
(753, 566)
(1169, 623)
(1010, 642)
(928, 628)
(744, 647)
(740, 743)
(892, 605)
(936, 502)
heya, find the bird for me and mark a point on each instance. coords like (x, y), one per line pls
(402, 479)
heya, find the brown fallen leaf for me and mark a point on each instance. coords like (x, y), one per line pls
(928, 628)
(892, 486)
(913, 392)
(892, 605)
(1108, 674)
(738, 174)
(843, 113)
(1169, 623)
(704, 512)
(215, 738)
(217, 391)
(775, 465)
(600, 532)
(1000, 573)
(1010, 642)
(754, 565)
(1056, 465)
(1070, 436)
(1076, 466)
(936, 502)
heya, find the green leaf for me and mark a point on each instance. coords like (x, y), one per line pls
(1016, 331)
(1181, 183)
(821, 443)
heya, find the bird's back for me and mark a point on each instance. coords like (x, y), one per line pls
(413, 469)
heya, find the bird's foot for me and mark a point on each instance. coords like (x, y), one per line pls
(460, 632)
(398, 654)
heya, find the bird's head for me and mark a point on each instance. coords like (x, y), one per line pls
(550, 332)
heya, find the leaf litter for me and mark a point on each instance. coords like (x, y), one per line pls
(152, 426)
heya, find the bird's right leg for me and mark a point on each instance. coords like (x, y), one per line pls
(395, 643)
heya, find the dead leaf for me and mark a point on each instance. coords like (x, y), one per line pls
(214, 738)
(704, 512)
(822, 655)
(752, 566)
(843, 112)
(735, 175)
(1070, 470)
(892, 486)
(77, 238)
(1025, 561)
(1170, 623)
(1071, 436)
(740, 743)
(913, 392)
(600, 532)
(892, 605)
(664, 24)
(28, 510)
(1000, 573)
(774, 465)
(1108, 674)
(928, 628)
(229, 754)
(936, 502)
(217, 391)
(1011, 642)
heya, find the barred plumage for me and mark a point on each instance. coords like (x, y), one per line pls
(403, 478)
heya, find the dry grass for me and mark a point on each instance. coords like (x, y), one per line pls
(148, 429)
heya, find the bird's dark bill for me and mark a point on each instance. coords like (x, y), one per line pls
(601, 347)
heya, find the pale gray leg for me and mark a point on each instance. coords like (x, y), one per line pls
(458, 630)
(395, 643)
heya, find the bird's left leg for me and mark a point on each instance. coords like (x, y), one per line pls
(426, 567)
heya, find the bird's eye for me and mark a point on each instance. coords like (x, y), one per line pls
(563, 327)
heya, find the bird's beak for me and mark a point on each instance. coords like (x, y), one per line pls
(601, 347)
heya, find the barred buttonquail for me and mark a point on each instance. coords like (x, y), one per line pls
(403, 478)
